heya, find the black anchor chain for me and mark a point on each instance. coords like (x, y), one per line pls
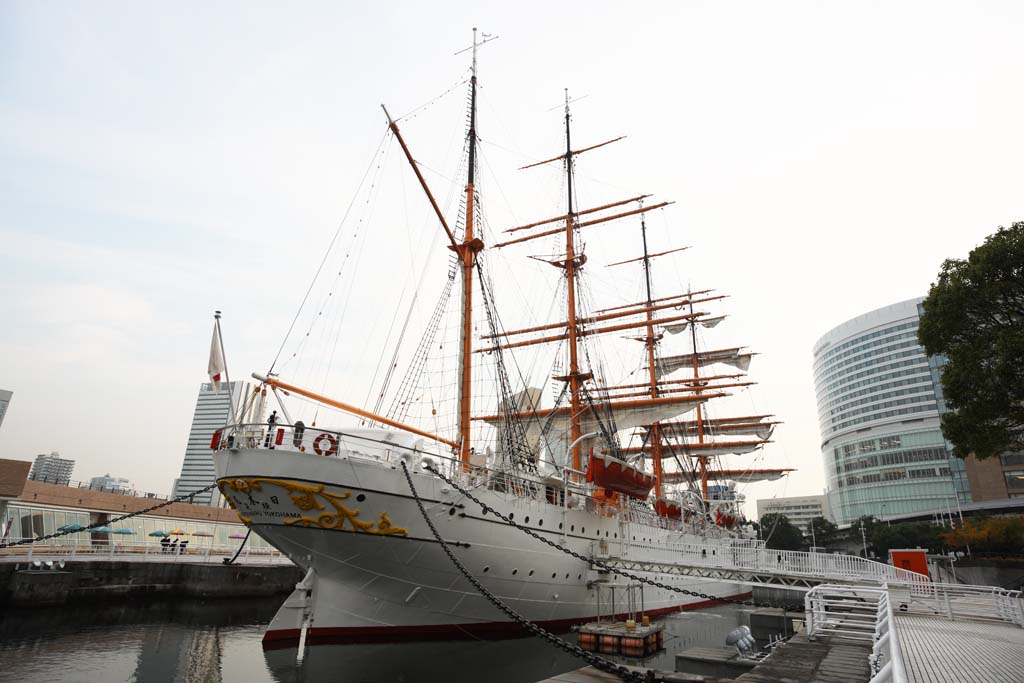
(600, 663)
(487, 509)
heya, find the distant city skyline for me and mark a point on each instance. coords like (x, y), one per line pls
(823, 159)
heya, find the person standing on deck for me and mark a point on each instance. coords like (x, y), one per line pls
(271, 421)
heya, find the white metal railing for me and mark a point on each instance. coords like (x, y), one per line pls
(860, 614)
(956, 601)
(85, 549)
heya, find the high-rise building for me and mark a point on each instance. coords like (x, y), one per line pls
(878, 409)
(109, 483)
(799, 510)
(213, 411)
(52, 469)
(5, 400)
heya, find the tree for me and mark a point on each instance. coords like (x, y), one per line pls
(779, 533)
(974, 316)
(989, 534)
(824, 532)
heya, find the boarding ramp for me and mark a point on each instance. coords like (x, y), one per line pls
(925, 633)
(750, 563)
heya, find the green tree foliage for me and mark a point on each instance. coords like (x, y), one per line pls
(974, 316)
(779, 533)
(884, 537)
(824, 532)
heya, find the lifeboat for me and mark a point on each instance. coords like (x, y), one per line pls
(668, 508)
(616, 475)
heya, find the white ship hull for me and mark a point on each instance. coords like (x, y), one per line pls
(375, 571)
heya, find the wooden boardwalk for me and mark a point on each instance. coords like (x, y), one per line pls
(936, 650)
(826, 659)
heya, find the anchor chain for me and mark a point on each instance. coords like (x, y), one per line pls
(57, 534)
(590, 560)
(600, 663)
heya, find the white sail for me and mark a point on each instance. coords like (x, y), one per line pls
(676, 328)
(734, 357)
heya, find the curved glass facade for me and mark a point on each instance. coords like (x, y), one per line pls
(878, 411)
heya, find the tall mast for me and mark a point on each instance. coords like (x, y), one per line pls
(467, 252)
(702, 460)
(655, 433)
(570, 274)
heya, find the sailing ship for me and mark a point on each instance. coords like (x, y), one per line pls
(338, 502)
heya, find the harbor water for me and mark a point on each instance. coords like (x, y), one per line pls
(190, 640)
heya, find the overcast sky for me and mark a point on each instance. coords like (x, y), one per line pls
(157, 164)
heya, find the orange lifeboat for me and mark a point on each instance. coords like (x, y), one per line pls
(616, 475)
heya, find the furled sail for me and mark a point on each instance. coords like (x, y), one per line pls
(620, 414)
(740, 476)
(737, 358)
(736, 426)
(707, 449)
(684, 327)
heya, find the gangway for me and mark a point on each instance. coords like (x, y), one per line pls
(752, 564)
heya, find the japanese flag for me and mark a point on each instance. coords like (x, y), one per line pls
(216, 367)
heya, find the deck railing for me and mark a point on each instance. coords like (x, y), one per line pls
(859, 614)
(959, 601)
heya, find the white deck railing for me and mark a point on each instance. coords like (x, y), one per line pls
(859, 614)
(958, 601)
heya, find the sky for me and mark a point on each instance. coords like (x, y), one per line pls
(157, 164)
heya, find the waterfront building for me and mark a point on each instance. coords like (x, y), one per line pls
(109, 483)
(213, 411)
(52, 468)
(29, 509)
(800, 510)
(879, 399)
(5, 400)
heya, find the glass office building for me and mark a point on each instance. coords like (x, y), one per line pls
(879, 402)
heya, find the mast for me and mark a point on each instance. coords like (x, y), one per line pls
(655, 433)
(467, 252)
(702, 461)
(570, 274)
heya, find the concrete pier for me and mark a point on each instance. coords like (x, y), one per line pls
(21, 585)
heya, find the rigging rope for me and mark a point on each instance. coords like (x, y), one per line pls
(330, 246)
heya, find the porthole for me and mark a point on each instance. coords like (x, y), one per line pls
(527, 520)
(634, 538)
(361, 497)
(511, 515)
(579, 577)
(451, 511)
(559, 525)
(486, 569)
(572, 527)
(615, 535)
(583, 529)
(531, 573)
(540, 522)
(606, 533)
(514, 572)
(552, 575)
(567, 576)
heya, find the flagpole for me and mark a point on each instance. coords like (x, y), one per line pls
(224, 359)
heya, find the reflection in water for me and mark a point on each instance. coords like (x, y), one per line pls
(191, 641)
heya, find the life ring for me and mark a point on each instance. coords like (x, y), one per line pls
(332, 446)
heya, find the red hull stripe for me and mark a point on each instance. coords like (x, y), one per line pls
(490, 630)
